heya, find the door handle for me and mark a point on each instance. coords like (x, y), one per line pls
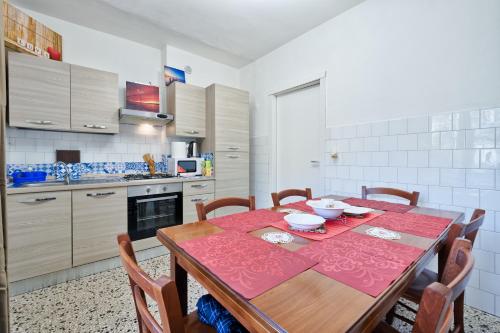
(315, 162)
(98, 195)
(232, 156)
(199, 186)
(192, 132)
(93, 126)
(38, 200)
(40, 122)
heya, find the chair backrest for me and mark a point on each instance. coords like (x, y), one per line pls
(458, 268)
(435, 310)
(162, 290)
(411, 196)
(203, 209)
(278, 196)
(475, 223)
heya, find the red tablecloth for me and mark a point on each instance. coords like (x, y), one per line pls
(414, 224)
(332, 227)
(363, 262)
(379, 205)
(247, 264)
(247, 221)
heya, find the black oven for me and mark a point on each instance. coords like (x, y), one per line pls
(151, 207)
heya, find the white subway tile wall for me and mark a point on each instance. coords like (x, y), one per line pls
(30, 146)
(452, 159)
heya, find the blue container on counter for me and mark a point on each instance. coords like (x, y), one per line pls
(19, 177)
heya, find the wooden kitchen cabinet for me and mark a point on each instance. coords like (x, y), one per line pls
(39, 92)
(194, 192)
(38, 233)
(99, 215)
(187, 103)
(94, 100)
(227, 119)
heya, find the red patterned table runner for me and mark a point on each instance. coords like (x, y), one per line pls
(247, 221)
(363, 262)
(247, 264)
(411, 223)
(300, 205)
(379, 205)
(332, 227)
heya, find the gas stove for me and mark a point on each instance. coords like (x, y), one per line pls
(143, 176)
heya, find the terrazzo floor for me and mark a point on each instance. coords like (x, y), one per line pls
(103, 303)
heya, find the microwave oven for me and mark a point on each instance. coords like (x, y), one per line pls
(185, 167)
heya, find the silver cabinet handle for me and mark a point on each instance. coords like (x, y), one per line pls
(93, 126)
(40, 122)
(192, 132)
(38, 200)
(198, 200)
(234, 148)
(199, 186)
(314, 161)
(232, 156)
(99, 195)
(156, 199)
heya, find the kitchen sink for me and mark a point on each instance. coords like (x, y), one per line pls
(45, 183)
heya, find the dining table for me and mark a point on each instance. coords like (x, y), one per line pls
(311, 299)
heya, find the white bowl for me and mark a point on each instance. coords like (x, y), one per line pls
(354, 210)
(327, 208)
(304, 221)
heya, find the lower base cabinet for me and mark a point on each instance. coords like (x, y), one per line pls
(38, 233)
(98, 217)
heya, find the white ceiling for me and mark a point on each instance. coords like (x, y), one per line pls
(234, 32)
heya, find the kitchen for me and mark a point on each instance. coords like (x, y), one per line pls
(130, 128)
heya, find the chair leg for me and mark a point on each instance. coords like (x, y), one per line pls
(458, 313)
(389, 317)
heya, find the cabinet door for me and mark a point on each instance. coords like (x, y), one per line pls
(198, 187)
(189, 214)
(39, 92)
(187, 103)
(231, 119)
(94, 100)
(98, 217)
(233, 178)
(38, 233)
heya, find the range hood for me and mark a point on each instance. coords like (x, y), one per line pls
(135, 117)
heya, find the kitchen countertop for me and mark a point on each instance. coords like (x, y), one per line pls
(52, 188)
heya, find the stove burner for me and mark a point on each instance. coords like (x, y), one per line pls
(142, 176)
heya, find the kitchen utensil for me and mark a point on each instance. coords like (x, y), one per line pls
(354, 210)
(192, 149)
(148, 158)
(327, 208)
(304, 221)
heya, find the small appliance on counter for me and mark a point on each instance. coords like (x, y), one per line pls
(178, 149)
(193, 149)
(185, 167)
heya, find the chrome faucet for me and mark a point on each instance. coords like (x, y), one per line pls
(67, 179)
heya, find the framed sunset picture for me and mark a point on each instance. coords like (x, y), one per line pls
(142, 97)
(172, 74)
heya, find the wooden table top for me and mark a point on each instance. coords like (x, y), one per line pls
(310, 301)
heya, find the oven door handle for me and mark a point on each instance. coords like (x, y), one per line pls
(157, 199)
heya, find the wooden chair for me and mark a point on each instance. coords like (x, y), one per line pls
(203, 209)
(412, 197)
(456, 275)
(163, 291)
(277, 197)
(434, 314)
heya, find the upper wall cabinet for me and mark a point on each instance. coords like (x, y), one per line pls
(39, 92)
(53, 95)
(94, 100)
(187, 104)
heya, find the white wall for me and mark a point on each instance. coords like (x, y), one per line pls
(387, 59)
(205, 71)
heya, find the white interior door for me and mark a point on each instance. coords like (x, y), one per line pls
(299, 135)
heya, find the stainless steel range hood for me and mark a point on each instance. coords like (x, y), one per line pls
(135, 117)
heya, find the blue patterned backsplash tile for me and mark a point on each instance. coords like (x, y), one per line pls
(80, 169)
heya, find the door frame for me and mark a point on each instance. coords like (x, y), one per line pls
(273, 151)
